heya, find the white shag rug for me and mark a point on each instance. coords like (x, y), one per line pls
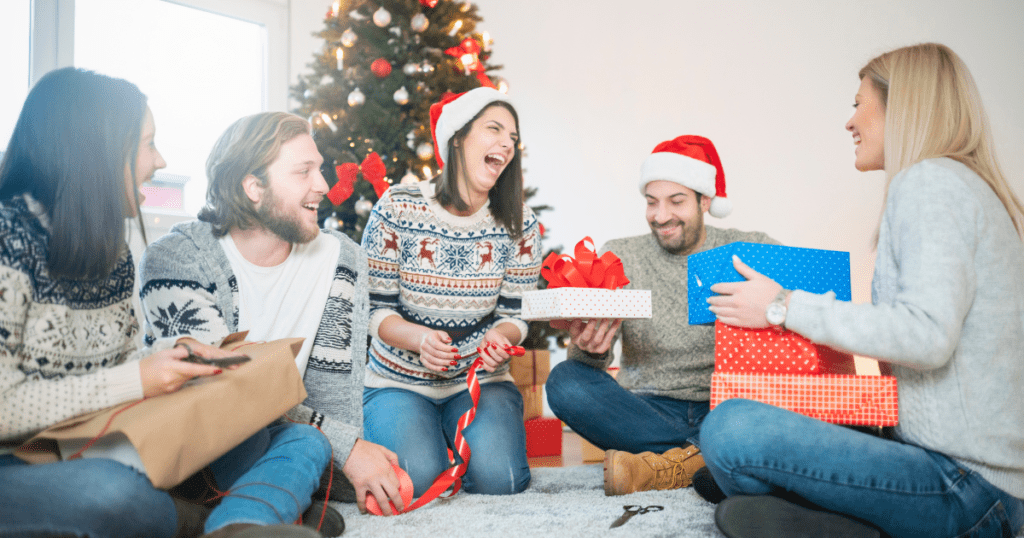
(561, 501)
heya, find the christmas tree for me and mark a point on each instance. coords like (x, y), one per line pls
(384, 62)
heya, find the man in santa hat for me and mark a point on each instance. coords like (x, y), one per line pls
(647, 420)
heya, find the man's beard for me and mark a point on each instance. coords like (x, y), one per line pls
(687, 241)
(286, 227)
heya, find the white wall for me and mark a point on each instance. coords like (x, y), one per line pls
(597, 84)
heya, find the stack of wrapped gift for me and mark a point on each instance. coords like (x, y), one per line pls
(584, 286)
(780, 367)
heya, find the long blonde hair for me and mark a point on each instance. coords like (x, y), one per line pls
(933, 109)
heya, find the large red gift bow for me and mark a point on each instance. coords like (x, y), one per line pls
(587, 270)
(373, 170)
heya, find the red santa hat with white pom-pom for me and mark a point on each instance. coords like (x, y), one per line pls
(692, 162)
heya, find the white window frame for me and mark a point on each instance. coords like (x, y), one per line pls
(53, 38)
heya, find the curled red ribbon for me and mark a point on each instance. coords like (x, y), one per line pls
(587, 270)
(373, 170)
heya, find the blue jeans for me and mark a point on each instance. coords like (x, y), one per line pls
(907, 491)
(595, 406)
(420, 430)
(99, 498)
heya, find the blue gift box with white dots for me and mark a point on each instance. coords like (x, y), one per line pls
(795, 268)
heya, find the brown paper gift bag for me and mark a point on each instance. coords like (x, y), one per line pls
(530, 372)
(178, 434)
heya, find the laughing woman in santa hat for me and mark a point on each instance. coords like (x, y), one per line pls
(947, 315)
(449, 261)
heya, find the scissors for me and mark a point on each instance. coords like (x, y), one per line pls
(632, 510)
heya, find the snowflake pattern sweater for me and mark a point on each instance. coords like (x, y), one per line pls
(188, 288)
(66, 347)
(462, 275)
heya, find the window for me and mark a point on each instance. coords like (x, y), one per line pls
(200, 70)
(14, 64)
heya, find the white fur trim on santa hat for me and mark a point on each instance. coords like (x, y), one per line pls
(456, 114)
(720, 207)
(686, 171)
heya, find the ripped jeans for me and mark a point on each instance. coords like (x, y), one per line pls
(907, 491)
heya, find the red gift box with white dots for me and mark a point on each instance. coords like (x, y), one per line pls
(775, 351)
(585, 303)
(863, 400)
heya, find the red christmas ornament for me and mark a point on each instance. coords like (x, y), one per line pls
(381, 67)
(428, 3)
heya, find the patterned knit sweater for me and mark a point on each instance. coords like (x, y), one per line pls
(462, 275)
(66, 347)
(188, 288)
(665, 355)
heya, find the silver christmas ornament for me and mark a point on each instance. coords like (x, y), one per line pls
(401, 96)
(356, 98)
(410, 177)
(382, 17)
(349, 38)
(332, 223)
(425, 151)
(363, 207)
(427, 67)
(411, 69)
(419, 22)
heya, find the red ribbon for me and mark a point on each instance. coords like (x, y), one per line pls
(587, 270)
(471, 47)
(373, 170)
(453, 476)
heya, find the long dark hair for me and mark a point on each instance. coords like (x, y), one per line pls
(77, 133)
(507, 194)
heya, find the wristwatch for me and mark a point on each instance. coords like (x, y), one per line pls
(776, 311)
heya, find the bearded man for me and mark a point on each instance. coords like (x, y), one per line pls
(256, 260)
(648, 418)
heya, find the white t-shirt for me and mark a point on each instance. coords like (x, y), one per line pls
(287, 300)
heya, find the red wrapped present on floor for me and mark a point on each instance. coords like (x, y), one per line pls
(543, 437)
(840, 399)
(775, 351)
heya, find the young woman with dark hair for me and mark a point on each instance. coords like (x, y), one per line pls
(449, 261)
(82, 146)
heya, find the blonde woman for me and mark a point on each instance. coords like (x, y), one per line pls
(947, 315)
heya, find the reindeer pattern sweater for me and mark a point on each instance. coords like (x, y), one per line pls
(462, 275)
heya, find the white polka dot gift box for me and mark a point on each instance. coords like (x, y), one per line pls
(775, 351)
(808, 269)
(585, 287)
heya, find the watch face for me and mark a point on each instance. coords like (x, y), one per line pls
(775, 314)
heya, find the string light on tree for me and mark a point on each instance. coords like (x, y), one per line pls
(340, 54)
(455, 28)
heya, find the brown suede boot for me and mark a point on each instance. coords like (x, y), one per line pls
(625, 473)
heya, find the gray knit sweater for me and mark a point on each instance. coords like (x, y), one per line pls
(948, 313)
(665, 355)
(188, 288)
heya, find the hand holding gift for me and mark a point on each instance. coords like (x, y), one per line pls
(591, 335)
(743, 304)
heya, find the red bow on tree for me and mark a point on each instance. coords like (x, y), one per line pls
(373, 171)
(469, 46)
